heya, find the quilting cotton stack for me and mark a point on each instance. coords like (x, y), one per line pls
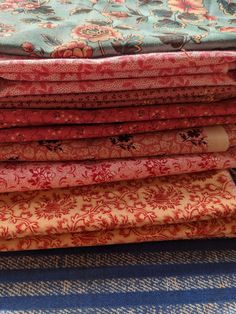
(117, 122)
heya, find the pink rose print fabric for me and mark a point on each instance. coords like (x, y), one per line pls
(174, 207)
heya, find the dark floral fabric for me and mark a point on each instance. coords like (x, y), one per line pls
(97, 28)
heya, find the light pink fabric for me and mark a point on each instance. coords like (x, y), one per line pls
(50, 175)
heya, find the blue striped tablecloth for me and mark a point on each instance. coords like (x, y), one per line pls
(179, 277)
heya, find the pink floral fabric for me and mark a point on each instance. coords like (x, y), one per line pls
(185, 206)
(166, 64)
(181, 141)
(51, 175)
(14, 88)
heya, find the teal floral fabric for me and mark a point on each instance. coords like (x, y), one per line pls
(97, 28)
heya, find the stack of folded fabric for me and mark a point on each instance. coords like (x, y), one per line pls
(117, 121)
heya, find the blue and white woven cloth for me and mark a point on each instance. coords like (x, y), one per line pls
(171, 277)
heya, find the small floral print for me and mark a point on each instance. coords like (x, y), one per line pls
(162, 198)
(55, 207)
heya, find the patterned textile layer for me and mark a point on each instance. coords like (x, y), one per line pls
(121, 99)
(213, 228)
(170, 277)
(181, 141)
(110, 28)
(50, 175)
(145, 65)
(140, 210)
(69, 132)
(20, 76)
(15, 88)
(33, 117)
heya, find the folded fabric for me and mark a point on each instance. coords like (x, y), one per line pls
(37, 69)
(67, 76)
(14, 88)
(33, 117)
(214, 228)
(69, 132)
(126, 209)
(121, 98)
(180, 141)
(52, 175)
(114, 205)
(107, 28)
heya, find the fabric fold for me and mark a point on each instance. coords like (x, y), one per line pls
(172, 142)
(126, 204)
(53, 175)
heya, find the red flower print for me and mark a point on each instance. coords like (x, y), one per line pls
(188, 6)
(73, 49)
(28, 47)
(163, 198)
(95, 33)
(55, 207)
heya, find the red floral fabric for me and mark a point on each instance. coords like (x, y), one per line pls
(185, 206)
(214, 228)
(33, 117)
(50, 175)
(14, 88)
(166, 64)
(69, 132)
(122, 98)
(181, 141)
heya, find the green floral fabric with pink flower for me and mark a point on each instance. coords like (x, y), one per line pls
(97, 28)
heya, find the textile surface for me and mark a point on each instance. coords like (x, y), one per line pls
(173, 142)
(98, 28)
(29, 176)
(174, 207)
(193, 277)
(122, 98)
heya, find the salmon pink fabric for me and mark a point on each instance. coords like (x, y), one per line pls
(163, 64)
(214, 228)
(184, 206)
(14, 88)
